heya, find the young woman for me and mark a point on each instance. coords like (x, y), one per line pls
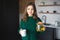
(29, 22)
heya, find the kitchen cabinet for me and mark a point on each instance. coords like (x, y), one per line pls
(49, 34)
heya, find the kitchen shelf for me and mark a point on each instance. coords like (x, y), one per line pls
(48, 13)
(49, 5)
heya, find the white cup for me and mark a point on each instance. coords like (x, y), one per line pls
(23, 32)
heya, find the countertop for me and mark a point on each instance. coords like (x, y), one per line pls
(51, 26)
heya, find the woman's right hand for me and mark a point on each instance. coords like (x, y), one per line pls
(22, 32)
(40, 23)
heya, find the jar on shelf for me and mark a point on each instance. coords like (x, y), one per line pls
(43, 3)
(47, 11)
(54, 11)
(55, 3)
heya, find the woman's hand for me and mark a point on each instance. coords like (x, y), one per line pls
(43, 27)
(40, 23)
(22, 32)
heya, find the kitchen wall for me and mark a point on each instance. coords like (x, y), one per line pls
(51, 18)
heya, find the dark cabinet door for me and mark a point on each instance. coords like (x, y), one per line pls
(47, 35)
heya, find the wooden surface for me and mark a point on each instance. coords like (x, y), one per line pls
(22, 4)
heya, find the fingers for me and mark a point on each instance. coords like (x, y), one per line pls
(40, 23)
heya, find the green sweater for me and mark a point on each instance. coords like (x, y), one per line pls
(30, 26)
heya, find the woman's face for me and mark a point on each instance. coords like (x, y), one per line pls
(30, 10)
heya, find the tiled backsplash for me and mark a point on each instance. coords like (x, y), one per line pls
(51, 18)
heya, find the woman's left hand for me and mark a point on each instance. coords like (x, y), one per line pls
(40, 23)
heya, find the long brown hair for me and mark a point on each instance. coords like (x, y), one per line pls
(25, 17)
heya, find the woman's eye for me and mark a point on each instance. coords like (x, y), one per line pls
(28, 9)
(32, 9)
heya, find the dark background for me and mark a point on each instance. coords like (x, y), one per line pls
(10, 20)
